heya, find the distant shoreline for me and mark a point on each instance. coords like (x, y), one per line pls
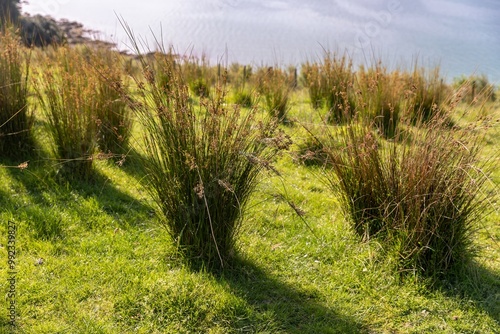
(76, 33)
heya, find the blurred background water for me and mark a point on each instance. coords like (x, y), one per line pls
(462, 36)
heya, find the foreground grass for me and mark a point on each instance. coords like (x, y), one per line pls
(93, 259)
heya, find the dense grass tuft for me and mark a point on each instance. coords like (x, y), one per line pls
(275, 87)
(331, 84)
(113, 115)
(428, 93)
(381, 98)
(68, 95)
(16, 119)
(199, 76)
(421, 193)
(242, 93)
(202, 164)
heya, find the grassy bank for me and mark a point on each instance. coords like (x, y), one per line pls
(94, 257)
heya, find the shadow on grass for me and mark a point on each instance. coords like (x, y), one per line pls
(111, 199)
(292, 310)
(478, 284)
(46, 190)
(132, 164)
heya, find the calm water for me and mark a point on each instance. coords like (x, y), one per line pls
(463, 36)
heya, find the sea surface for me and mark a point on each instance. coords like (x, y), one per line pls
(461, 36)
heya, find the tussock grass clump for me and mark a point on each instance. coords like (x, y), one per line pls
(312, 80)
(380, 97)
(243, 98)
(114, 118)
(330, 84)
(427, 93)
(422, 193)
(275, 87)
(68, 94)
(199, 76)
(338, 90)
(358, 177)
(240, 77)
(202, 164)
(441, 197)
(16, 119)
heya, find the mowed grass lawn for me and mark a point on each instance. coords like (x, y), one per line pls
(94, 258)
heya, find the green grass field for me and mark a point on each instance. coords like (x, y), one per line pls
(92, 256)
(93, 259)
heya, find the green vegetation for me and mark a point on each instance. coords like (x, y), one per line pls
(40, 31)
(83, 97)
(381, 231)
(15, 113)
(113, 117)
(242, 95)
(475, 88)
(331, 84)
(68, 95)
(424, 192)
(381, 98)
(373, 93)
(202, 165)
(275, 86)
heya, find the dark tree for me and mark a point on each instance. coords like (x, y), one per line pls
(40, 31)
(9, 10)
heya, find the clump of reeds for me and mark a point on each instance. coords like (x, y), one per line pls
(313, 81)
(202, 164)
(275, 87)
(198, 74)
(357, 176)
(243, 98)
(16, 119)
(331, 84)
(427, 93)
(68, 94)
(240, 82)
(380, 99)
(113, 115)
(421, 193)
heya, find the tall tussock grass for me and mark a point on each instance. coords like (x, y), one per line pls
(275, 86)
(422, 193)
(331, 84)
(114, 119)
(199, 76)
(373, 92)
(202, 162)
(16, 119)
(427, 92)
(381, 99)
(67, 93)
(83, 96)
(239, 77)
